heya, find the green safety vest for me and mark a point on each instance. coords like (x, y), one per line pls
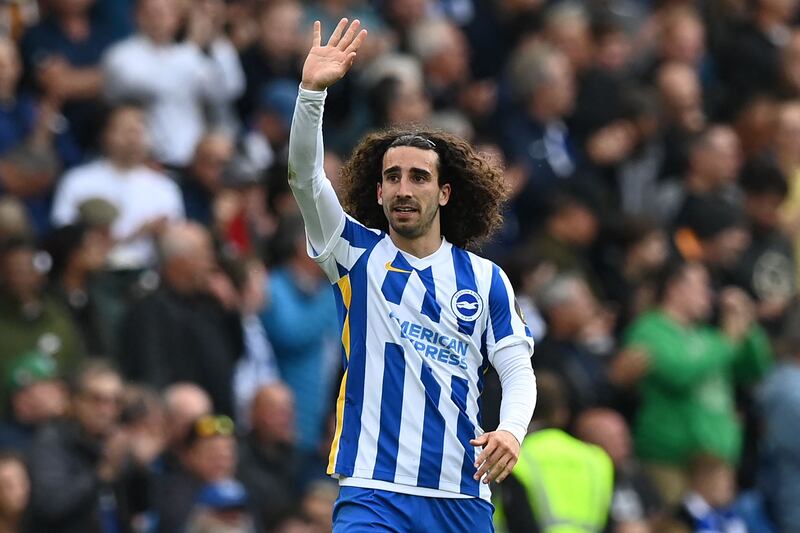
(569, 483)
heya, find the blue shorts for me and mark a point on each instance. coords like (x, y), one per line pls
(360, 510)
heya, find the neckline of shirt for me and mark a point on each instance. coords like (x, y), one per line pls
(440, 255)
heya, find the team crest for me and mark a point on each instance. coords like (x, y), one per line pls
(467, 305)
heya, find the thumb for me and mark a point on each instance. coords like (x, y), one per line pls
(480, 441)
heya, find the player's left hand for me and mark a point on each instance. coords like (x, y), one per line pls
(500, 454)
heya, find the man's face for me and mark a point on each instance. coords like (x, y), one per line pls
(212, 458)
(39, 402)
(409, 190)
(126, 136)
(273, 414)
(19, 274)
(694, 290)
(158, 19)
(97, 404)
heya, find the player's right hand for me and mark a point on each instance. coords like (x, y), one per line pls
(325, 65)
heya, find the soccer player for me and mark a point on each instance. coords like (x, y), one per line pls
(421, 317)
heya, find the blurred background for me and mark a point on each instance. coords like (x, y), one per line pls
(170, 356)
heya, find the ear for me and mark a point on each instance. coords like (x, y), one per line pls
(380, 194)
(444, 194)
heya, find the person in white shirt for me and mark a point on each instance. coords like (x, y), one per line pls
(146, 199)
(176, 81)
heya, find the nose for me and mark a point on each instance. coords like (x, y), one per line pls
(404, 187)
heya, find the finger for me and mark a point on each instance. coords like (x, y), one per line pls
(506, 472)
(317, 40)
(498, 468)
(485, 466)
(485, 454)
(480, 441)
(349, 35)
(354, 46)
(337, 33)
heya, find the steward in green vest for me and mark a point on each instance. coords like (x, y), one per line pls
(560, 484)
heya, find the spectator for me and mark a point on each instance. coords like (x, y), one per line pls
(202, 180)
(78, 252)
(184, 403)
(276, 54)
(221, 506)
(635, 505)
(14, 493)
(27, 141)
(712, 231)
(61, 55)
(29, 318)
(638, 252)
(543, 85)
(714, 161)
(573, 334)
(208, 455)
(766, 270)
(569, 228)
(35, 396)
(267, 141)
(145, 199)
(687, 390)
(180, 331)
(708, 505)
(84, 453)
(269, 465)
(174, 79)
(544, 487)
(257, 366)
(779, 403)
(299, 320)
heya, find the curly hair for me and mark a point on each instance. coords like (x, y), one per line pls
(477, 193)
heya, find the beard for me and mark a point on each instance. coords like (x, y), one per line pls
(411, 229)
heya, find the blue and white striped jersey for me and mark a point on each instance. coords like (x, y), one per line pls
(417, 334)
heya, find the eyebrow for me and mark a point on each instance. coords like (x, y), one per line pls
(415, 170)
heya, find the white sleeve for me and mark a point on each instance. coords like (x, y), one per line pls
(65, 205)
(323, 214)
(513, 365)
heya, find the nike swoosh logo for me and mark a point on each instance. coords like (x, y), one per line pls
(391, 268)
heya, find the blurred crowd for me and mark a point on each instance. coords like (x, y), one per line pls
(169, 354)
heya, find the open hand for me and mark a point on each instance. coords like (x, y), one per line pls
(325, 65)
(500, 454)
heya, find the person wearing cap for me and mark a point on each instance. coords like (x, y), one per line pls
(208, 455)
(687, 388)
(266, 143)
(35, 396)
(713, 231)
(221, 507)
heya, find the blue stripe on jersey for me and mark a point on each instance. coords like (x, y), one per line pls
(430, 307)
(396, 279)
(341, 269)
(466, 432)
(354, 388)
(394, 369)
(499, 310)
(430, 460)
(358, 236)
(465, 279)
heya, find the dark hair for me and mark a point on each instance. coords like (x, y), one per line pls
(761, 176)
(552, 397)
(283, 244)
(138, 402)
(61, 245)
(380, 98)
(478, 191)
(672, 270)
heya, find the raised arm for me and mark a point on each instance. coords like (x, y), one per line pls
(324, 66)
